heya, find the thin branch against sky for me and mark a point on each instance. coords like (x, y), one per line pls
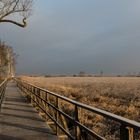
(9, 8)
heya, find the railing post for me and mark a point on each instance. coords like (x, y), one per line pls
(38, 92)
(57, 115)
(35, 98)
(27, 93)
(126, 133)
(46, 105)
(77, 131)
(31, 97)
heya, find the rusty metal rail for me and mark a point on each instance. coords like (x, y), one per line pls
(40, 98)
(2, 90)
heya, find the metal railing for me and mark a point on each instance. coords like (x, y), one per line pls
(2, 90)
(40, 98)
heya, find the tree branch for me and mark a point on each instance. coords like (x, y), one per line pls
(24, 24)
(20, 8)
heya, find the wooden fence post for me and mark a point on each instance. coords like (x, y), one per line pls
(77, 130)
(126, 133)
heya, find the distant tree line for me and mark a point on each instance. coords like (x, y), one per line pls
(7, 60)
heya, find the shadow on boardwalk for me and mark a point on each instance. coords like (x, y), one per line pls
(43, 130)
(6, 137)
(19, 120)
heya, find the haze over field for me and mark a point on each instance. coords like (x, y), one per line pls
(82, 35)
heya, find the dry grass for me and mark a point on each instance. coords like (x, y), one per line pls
(119, 95)
(1, 79)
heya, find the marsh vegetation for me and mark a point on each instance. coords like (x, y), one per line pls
(119, 95)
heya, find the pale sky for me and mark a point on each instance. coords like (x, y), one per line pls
(68, 36)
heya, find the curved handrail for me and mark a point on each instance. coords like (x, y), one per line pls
(123, 121)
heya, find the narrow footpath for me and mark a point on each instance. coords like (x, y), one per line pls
(19, 120)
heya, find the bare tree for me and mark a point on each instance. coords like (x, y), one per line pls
(3, 57)
(7, 60)
(9, 9)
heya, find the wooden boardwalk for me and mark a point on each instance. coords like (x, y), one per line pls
(19, 120)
